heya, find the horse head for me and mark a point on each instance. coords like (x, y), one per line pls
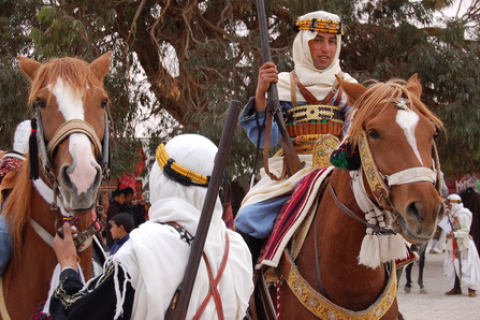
(69, 103)
(395, 133)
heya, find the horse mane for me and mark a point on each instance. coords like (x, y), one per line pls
(74, 71)
(376, 98)
(17, 205)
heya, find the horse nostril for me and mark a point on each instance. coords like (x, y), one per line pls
(414, 210)
(98, 176)
(65, 178)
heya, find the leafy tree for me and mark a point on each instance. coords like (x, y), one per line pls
(190, 58)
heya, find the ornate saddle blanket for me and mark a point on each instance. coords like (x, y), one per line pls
(303, 200)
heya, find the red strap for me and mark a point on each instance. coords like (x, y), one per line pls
(310, 98)
(213, 291)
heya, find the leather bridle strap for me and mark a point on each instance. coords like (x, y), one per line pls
(75, 126)
(380, 184)
(350, 213)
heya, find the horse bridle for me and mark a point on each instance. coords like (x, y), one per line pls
(380, 184)
(46, 151)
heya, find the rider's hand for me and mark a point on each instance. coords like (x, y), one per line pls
(65, 248)
(450, 235)
(267, 74)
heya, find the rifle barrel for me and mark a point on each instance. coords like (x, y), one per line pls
(184, 291)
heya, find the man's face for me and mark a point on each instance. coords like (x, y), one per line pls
(120, 198)
(117, 231)
(129, 198)
(323, 48)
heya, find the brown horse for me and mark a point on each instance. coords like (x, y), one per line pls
(69, 106)
(332, 278)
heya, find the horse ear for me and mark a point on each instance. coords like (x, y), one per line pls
(100, 66)
(353, 90)
(29, 67)
(414, 86)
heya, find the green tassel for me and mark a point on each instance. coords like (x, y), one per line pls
(339, 159)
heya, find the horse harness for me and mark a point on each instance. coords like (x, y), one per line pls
(380, 185)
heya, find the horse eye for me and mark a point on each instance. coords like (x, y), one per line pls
(373, 134)
(104, 103)
(39, 103)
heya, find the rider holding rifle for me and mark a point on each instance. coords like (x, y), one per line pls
(462, 262)
(312, 105)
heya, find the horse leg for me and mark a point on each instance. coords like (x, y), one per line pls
(408, 275)
(421, 265)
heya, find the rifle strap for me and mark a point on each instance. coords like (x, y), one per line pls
(266, 147)
(309, 97)
(214, 283)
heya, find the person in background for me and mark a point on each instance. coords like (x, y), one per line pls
(120, 227)
(462, 262)
(115, 207)
(134, 210)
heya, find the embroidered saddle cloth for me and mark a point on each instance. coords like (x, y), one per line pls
(303, 200)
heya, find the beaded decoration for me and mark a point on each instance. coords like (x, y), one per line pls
(177, 172)
(319, 25)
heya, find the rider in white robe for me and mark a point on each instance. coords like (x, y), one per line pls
(462, 263)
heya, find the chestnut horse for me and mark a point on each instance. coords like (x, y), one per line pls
(334, 276)
(69, 106)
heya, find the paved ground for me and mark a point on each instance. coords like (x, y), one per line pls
(435, 305)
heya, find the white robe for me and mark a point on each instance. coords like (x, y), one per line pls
(155, 258)
(467, 268)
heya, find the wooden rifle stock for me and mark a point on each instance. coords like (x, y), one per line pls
(292, 161)
(181, 299)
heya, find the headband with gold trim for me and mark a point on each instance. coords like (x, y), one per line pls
(319, 26)
(177, 172)
(453, 201)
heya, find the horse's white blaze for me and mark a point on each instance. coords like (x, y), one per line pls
(408, 120)
(84, 167)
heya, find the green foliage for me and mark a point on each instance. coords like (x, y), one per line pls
(191, 59)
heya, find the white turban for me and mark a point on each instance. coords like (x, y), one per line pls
(319, 82)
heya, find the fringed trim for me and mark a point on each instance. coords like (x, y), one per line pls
(54, 284)
(120, 293)
(376, 248)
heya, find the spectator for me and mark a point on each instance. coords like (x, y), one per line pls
(118, 199)
(134, 210)
(120, 227)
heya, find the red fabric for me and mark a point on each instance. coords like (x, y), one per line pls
(141, 164)
(128, 180)
(289, 213)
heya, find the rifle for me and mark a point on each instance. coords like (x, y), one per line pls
(292, 161)
(179, 305)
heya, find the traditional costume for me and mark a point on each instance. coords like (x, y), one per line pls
(141, 278)
(462, 262)
(313, 106)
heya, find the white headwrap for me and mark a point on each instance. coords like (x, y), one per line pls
(155, 258)
(318, 82)
(457, 202)
(20, 139)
